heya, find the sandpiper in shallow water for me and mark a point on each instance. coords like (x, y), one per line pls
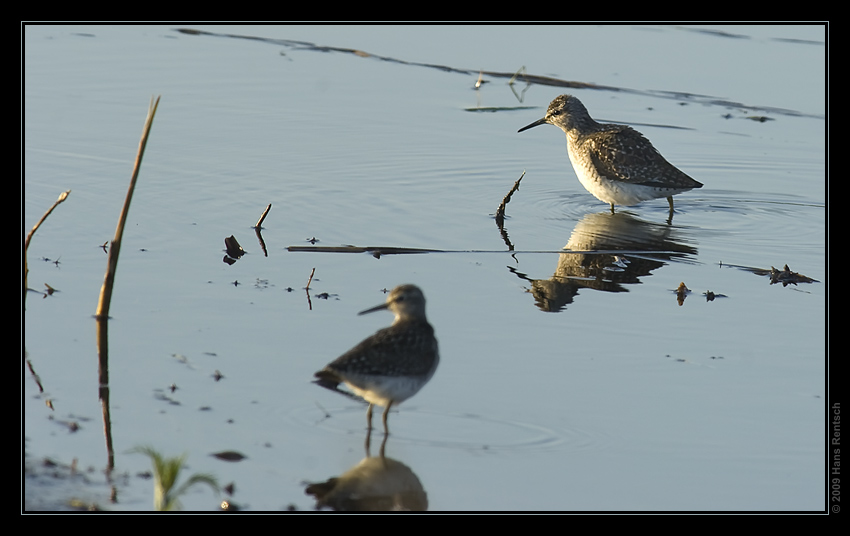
(393, 364)
(615, 163)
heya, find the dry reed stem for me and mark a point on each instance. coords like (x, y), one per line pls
(112, 261)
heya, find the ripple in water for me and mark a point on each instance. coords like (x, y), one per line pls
(452, 430)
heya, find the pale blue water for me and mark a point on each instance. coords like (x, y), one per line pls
(620, 400)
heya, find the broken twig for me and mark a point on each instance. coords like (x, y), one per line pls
(62, 197)
(263, 217)
(500, 212)
(310, 280)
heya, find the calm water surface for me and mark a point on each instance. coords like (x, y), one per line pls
(568, 381)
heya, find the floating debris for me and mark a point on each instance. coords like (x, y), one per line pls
(50, 290)
(229, 456)
(682, 293)
(498, 108)
(234, 250)
(373, 250)
(786, 277)
(710, 296)
(481, 80)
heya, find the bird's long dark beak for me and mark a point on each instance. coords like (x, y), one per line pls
(541, 121)
(373, 309)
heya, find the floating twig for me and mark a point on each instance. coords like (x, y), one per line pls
(375, 251)
(36, 378)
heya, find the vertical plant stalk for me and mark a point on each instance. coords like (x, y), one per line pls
(115, 247)
(102, 314)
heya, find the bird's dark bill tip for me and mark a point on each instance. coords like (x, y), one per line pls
(373, 309)
(532, 125)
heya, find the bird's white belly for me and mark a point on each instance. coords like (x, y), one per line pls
(381, 390)
(613, 191)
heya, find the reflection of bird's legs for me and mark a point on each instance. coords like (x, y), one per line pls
(612, 208)
(383, 445)
(368, 441)
(386, 412)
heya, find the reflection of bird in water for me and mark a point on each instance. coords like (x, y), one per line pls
(607, 252)
(615, 163)
(375, 484)
(393, 364)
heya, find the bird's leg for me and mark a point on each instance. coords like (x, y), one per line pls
(369, 418)
(670, 202)
(386, 412)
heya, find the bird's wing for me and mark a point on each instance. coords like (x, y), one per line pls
(378, 353)
(622, 153)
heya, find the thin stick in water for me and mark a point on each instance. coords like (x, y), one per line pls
(310, 280)
(263, 217)
(112, 259)
(62, 197)
(500, 212)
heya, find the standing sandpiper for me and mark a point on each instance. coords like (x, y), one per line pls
(614, 162)
(393, 364)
